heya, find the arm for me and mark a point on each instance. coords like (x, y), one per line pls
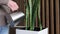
(3, 2)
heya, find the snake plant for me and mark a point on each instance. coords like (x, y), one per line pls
(32, 10)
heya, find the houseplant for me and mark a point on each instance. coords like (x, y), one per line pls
(32, 11)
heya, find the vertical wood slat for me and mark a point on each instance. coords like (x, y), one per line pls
(47, 14)
(43, 13)
(52, 16)
(57, 16)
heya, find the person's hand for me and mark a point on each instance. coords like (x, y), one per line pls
(13, 5)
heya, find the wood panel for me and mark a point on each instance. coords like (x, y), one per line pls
(52, 16)
(57, 16)
(43, 12)
(47, 14)
(51, 11)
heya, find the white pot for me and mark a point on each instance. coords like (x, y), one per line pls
(18, 31)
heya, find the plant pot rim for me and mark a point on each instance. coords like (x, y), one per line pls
(30, 30)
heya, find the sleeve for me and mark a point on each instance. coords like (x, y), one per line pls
(6, 8)
(3, 1)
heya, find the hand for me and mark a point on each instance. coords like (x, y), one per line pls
(13, 5)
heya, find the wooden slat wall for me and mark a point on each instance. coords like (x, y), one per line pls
(50, 15)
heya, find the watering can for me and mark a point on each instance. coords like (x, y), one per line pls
(13, 18)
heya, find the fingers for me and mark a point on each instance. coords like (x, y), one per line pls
(13, 5)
